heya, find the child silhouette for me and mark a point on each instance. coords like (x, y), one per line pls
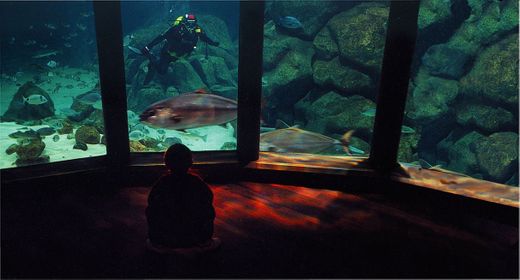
(180, 209)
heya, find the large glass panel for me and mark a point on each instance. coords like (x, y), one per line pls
(462, 110)
(50, 103)
(322, 61)
(183, 87)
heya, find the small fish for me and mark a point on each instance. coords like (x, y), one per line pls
(135, 50)
(73, 34)
(136, 135)
(43, 46)
(69, 112)
(35, 99)
(66, 25)
(29, 134)
(407, 130)
(89, 98)
(52, 64)
(289, 22)
(67, 45)
(85, 14)
(190, 110)
(81, 27)
(29, 43)
(370, 112)
(45, 131)
(127, 40)
(296, 140)
(56, 138)
(45, 54)
(50, 26)
(355, 150)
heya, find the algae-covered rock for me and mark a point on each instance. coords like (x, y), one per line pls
(80, 146)
(145, 96)
(87, 134)
(334, 74)
(30, 150)
(20, 111)
(494, 75)
(11, 149)
(408, 147)
(66, 128)
(487, 23)
(324, 45)
(433, 11)
(229, 146)
(431, 98)
(184, 77)
(462, 156)
(485, 118)
(212, 71)
(360, 33)
(313, 14)
(136, 146)
(497, 156)
(445, 61)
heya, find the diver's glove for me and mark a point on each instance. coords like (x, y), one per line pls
(145, 51)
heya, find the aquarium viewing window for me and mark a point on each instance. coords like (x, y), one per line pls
(50, 97)
(462, 109)
(281, 74)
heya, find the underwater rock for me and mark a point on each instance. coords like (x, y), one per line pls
(497, 156)
(445, 61)
(461, 154)
(172, 140)
(45, 131)
(212, 71)
(360, 34)
(324, 45)
(30, 150)
(11, 149)
(87, 134)
(56, 138)
(312, 14)
(487, 23)
(494, 75)
(20, 111)
(96, 120)
(433, 11)
(70, 136)
(229, 146)
(38, 160)
(147, 95)
(149, 142)
(230, 92)
(216, 29)
(136, 146)
(332, 73)
(408, 147)
(486, 118)
(170, 92)
(291, 79)
(80, 146)
(431, 98)
(67, 128)
(183, 77)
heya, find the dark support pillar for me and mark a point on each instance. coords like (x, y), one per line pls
(393, 88)
(251, 40)
(112, 80)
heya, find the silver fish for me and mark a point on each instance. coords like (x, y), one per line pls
(190, 110)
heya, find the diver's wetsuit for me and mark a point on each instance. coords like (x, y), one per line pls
(180, 41)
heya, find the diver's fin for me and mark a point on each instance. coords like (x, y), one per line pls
(135, 50)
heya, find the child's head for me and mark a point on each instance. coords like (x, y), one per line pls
(178, 158)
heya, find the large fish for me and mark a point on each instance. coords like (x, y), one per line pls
(189, 110)
(296, 140)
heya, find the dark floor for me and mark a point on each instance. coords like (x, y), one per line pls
(267, 231)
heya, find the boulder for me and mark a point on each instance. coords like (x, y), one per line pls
(145, 96)
(360, 34)
(408, 147)
(497, 156)
(324, 45)
(212, 71)
(431, 97)
(334, 74)
(184, 77)
(445, 61)
(485, 118)
(30, 150)
(312, 14)
(88, 135)
(494, 76)
(461, 154)
(433, 11)
(20, 111)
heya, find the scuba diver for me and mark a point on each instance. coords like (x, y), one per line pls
(181, 40)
